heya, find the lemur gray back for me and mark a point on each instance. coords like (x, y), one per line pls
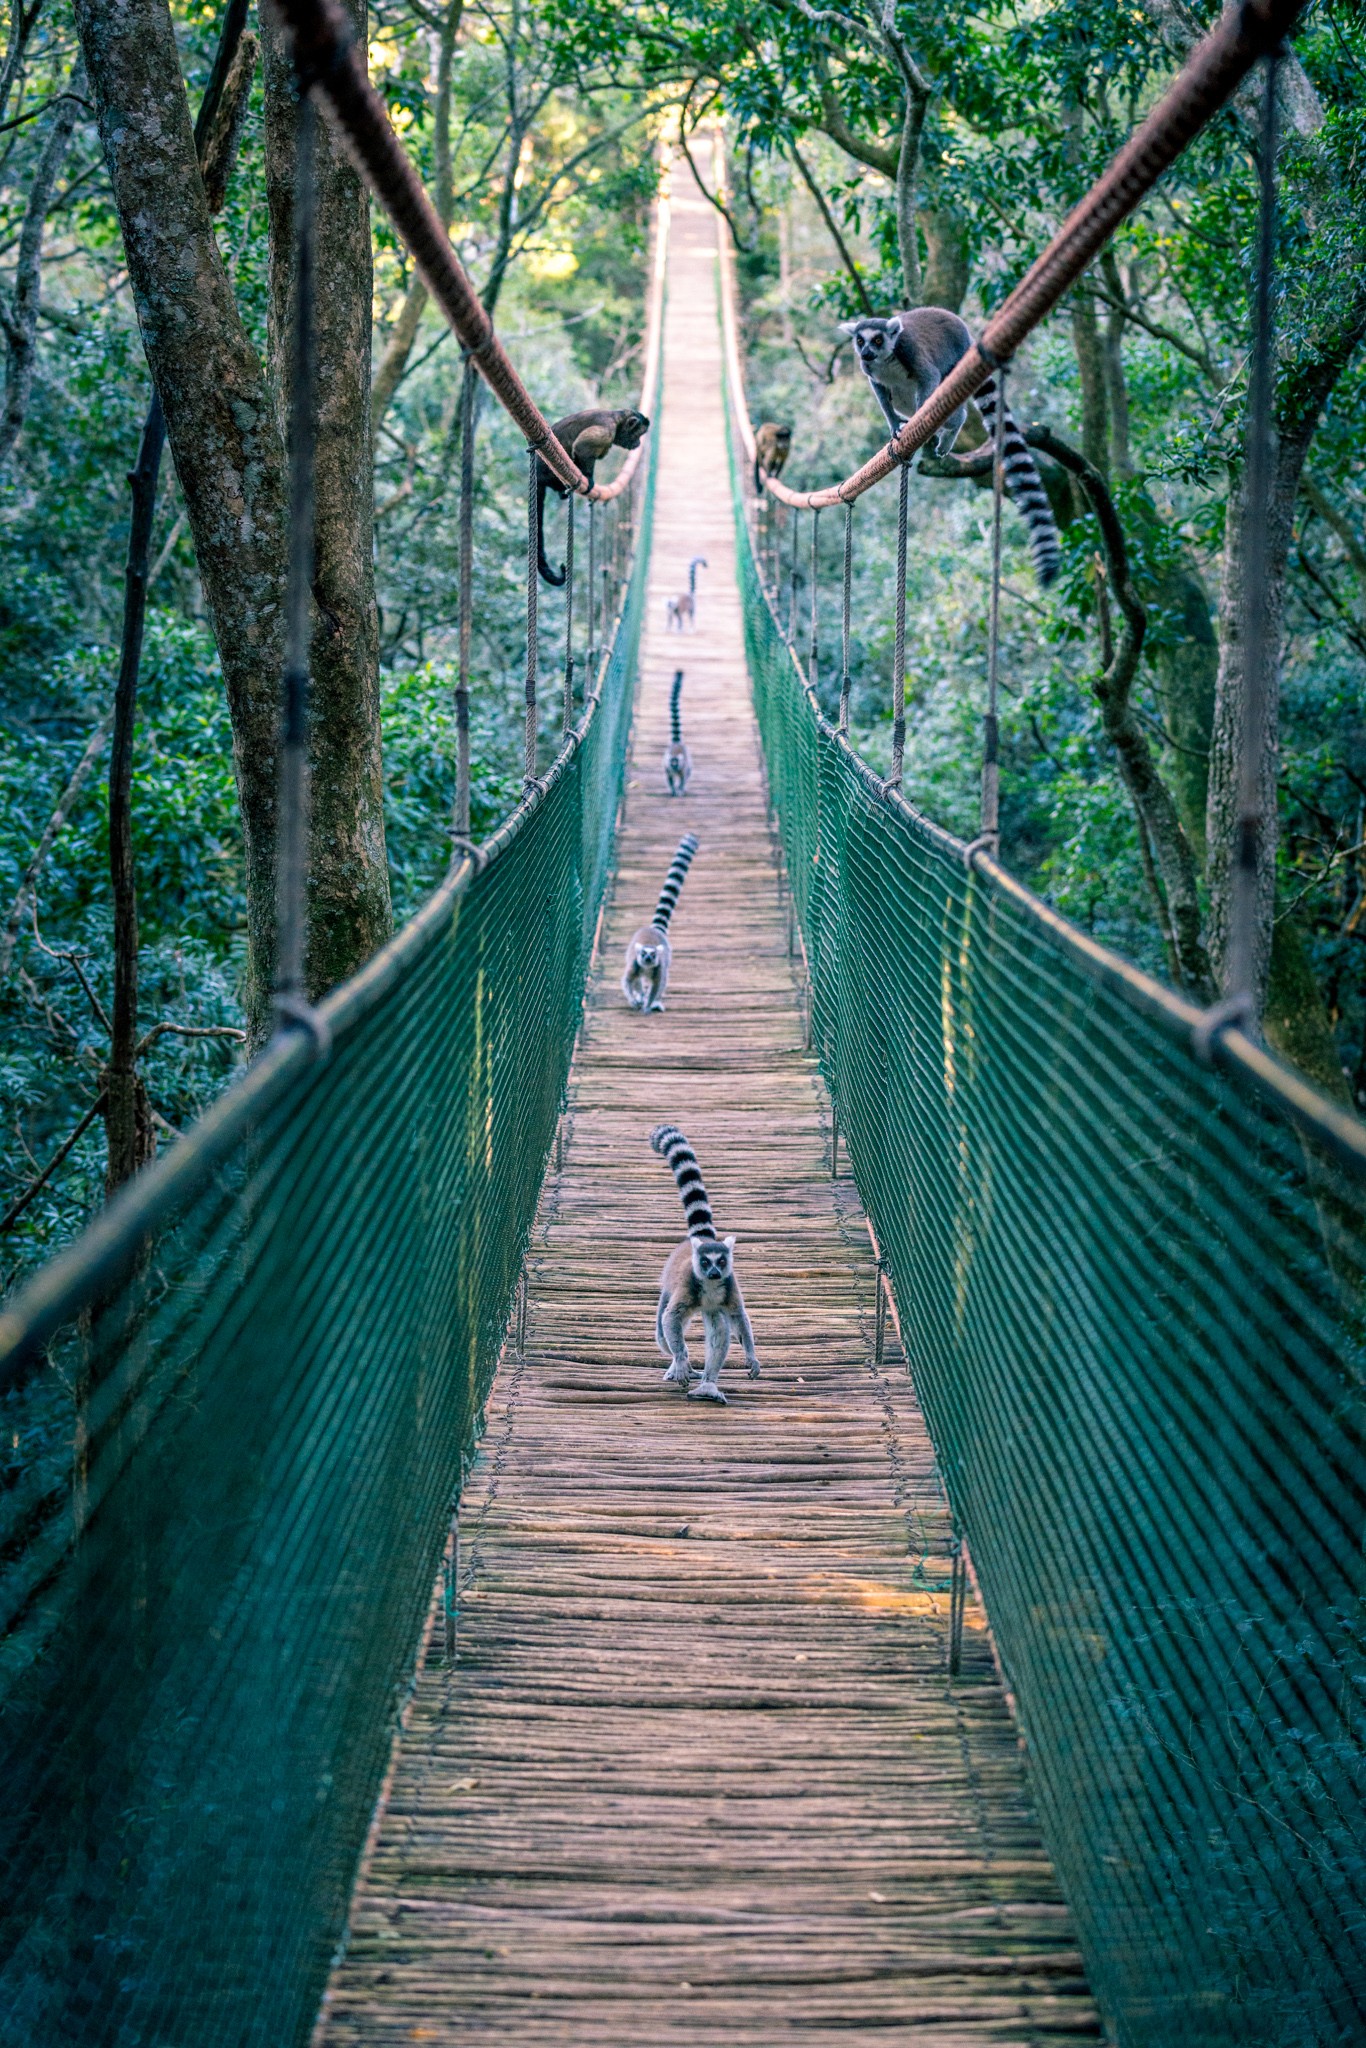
(673, 881)
(905, 358)
(679, 1156)
(675, 713)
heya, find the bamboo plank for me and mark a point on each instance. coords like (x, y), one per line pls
(698, 1773)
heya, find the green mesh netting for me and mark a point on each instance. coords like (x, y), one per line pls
(1131, 1294)
(229, 1476)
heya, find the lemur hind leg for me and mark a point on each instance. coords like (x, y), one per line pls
(949, 432)
(717, 1326)
(672, 1322)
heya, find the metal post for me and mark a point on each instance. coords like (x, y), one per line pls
(451, 1586)
(568, 718)
(834, 1139)
(958, 1588)
(292, 836)
(991, 773)
(813, 663)
(469, 402)
(845, 617)
(899, 645)
(532, 625)
(880, 1325)
(1243, 975)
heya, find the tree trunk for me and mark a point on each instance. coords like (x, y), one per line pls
(1186, 663)
(20, 318)
(349, 910)
(222, 427)
(907, 169)
(948, 256)
(1095, 437)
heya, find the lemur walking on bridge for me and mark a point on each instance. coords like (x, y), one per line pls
(905, 359)
(682, 610)
(648, 956)
(677, 759)
(698, 1279)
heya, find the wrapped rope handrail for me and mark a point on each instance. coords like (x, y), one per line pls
(327, 57)
(1211, 75)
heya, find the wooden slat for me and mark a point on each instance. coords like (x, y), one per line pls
(699, 1774)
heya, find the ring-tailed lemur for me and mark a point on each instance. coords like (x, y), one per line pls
(698, 1280)
(677, 759)
(772, 446)
(585, 437)
(682, 610)
(904, 359)
(648, 956)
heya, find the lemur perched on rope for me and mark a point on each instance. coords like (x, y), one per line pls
(698, 1280)
(677, 759)
(682, 610)
(648, 956)
(585, 437)
(905, 359)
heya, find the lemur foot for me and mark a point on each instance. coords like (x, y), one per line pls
(678, 1374)
(706, 1390)
(655, 1006)
(753, 1368)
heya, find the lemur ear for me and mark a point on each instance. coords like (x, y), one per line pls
(895, 326)
(850, 327)
(729, 1243)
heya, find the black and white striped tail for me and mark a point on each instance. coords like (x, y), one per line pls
(673, 881)
(675, 715)
(678, 1154)
(1024, 486)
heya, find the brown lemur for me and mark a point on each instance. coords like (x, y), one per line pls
(649, 955)
(677, 759)
(905, 359)
(698, 1280)
(772, 446)
(585, 437)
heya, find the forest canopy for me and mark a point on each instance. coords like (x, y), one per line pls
(879, 157)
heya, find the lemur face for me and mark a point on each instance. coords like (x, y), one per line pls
(874, 340)
(711, 1258)
(647, 956)
(631, 430)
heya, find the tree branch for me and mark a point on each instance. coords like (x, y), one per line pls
(860, 289)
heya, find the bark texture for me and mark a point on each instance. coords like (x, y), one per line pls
(349, 910)
(220, 422)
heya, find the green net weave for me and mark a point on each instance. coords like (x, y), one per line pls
(1130, 1289)
(230, 1468)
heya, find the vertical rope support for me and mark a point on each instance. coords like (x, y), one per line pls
(532, 622)
(991, 771)
(899, 645)
(567, 722)
(880, 1324)
(792, 582)
(291, 852)
(468, 402)
(813, 665)
(451, 1587)
(844, 616)
(591, 600)
(1243, 976)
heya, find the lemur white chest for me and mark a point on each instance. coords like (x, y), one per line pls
(900, 386)
(712, 1295)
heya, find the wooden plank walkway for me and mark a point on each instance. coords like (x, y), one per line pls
(699, 1774)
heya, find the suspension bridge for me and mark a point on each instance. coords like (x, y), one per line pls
(386, 1654)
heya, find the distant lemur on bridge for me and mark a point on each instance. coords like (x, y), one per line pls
(905, 358)
(677, 759)
(649, 955)
(698, 1280)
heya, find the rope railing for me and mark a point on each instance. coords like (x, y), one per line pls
(329, 61)
(1213, 72)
